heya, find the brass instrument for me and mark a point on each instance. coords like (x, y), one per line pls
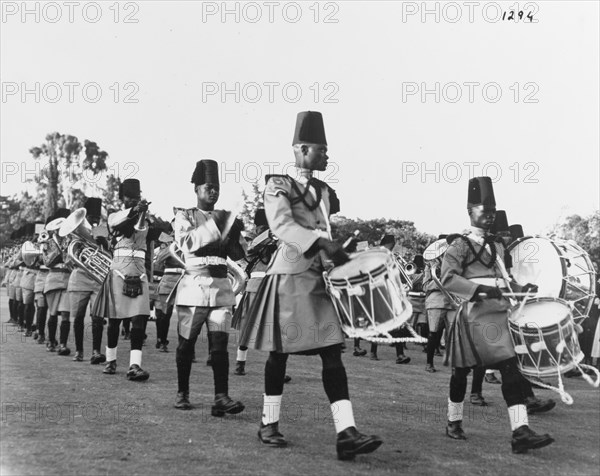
(406, 269)
(82, 249)
(235, 273)
(31, 253)
(43, 237)
(141, 223)
(433, 255)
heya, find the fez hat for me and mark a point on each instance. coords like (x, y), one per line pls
(206, 171)
(388, 239)
(500, 222)
(516, 232)
(309, 128)
(260, 218)
(481, 192)
(93, 207)
(442, 237)
(30, 229)
(49, 219)
(61, 213)
(129, 188)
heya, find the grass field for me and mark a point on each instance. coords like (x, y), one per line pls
(67, 418)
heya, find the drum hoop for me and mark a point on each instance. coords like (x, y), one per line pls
(356, 280)
(515, 326)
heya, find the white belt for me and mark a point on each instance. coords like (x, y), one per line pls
(494, 282)
(173, 271)
(206, 260)
(321, 233)
(258, 274)
(127, 253)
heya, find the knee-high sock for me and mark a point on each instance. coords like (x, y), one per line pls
(52, 324)
(275, 373)
(477, 382)
(97, 331)
(41, 320)
(512, 382)
(220, 367)
(65, 327)
(21, 313)
(432, 343)
(183, 358)
(343, 417)
(112, 333)
(458, 384)
(12, 310)
(334, 376)
(78, 329)
(138, 324)
(29, 313)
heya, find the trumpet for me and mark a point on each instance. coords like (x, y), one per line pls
(82, 249)
(406, 269)
(141, 223)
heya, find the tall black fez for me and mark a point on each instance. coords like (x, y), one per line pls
(442, 237)
(129, 188)
(260, 218)
(93, 206)
(481, 192)
(30, 229)
(516, 232)
(61, 213)
(500, 222)
(309, 128)
(419, 261)
(206, 171)
(49, 219)
(388, 239)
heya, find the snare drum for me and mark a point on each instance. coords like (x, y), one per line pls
(367, 294)
(544, 336)
(560, 269)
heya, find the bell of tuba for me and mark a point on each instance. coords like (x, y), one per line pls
(82, 249)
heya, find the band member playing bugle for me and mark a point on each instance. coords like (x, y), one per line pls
(125, 292)
(206, 237)
(292, 312)
(473, 269)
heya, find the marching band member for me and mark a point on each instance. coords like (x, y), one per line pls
(28, 285)
(125, 292)
(55, 287)
(19, 267)
(474, 265)
(169, 270)
(83, 289)
(292, 312)
(204, 294)
(10, 287)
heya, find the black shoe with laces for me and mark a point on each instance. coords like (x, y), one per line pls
(137, 374)
(224, 404)
(524, 438)
(454, 430)
(270, 436)
(351, 442)
(110, 368)
(183, 401)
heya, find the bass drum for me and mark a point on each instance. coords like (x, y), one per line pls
(560, 269)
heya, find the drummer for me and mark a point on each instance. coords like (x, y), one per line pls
(292, 313)
(473, 266)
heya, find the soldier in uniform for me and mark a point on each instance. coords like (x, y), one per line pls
(10, 287)
(55, 287)
(292, 312)
(473, 267)
(40, 297)
(83, 289)
(28, 285)
(125, 292)
(204, 294)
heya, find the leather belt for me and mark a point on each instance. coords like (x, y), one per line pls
(494, 282)
(173, 271)
(206, 260)
(129, 253)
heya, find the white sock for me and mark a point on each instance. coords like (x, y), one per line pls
(111, 354)
(342, 415)
(518, 416)
(241, 355)
(135, 357)
(455, 411)
(489, 371)
(271, 408)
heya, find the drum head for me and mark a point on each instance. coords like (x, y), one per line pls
(537, 261)
(540, 313)
(370, 262)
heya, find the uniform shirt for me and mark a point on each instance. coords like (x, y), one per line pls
(434, 299)
(128, 238)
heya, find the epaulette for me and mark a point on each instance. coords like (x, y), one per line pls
(450, 238)
(277, 184)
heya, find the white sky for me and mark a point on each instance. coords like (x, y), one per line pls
(375, 137)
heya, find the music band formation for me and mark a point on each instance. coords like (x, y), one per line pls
(303, 294)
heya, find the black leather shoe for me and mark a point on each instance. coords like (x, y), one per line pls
(224, 404)
(537, 405)
(41, 340)
(524, 438)
(63, 350)
(126, 335)
(454, 430)
(351, 442)
(137, 374)
(403, 359)
(430, 368)
(358, 352)
(183, 401)
(35, 335)
(164, 348)
(240, 368)
(477, 399)
(287, 379)
(28, 334)
(97, 358)
(78, 357)
(373, 356)
(491, 378)
(51, 346)
(270, 436)
(158, 344)
(110, 368)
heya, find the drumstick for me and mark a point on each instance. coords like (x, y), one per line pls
(349, 240)
(511, 294)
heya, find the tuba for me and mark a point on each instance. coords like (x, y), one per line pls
(82, 249)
